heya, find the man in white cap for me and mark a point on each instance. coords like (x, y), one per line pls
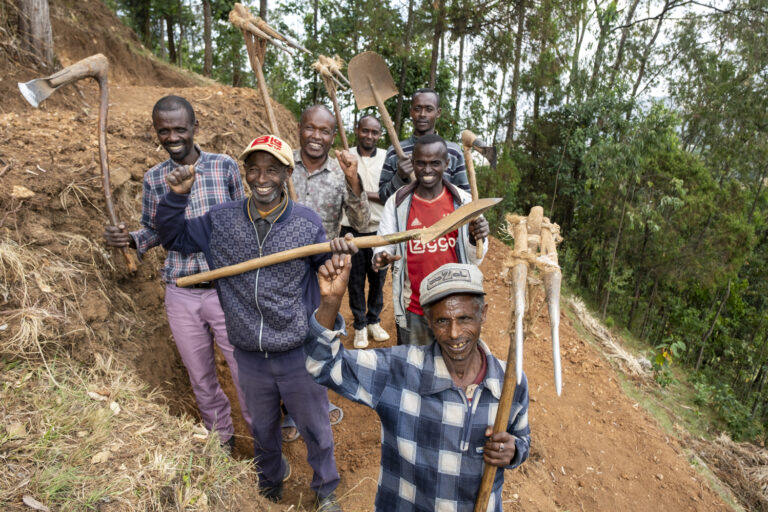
(437, 403)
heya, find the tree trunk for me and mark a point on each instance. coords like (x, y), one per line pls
(638, 279)
(404, 68)
(620, 50)
(512, 117)
(650, 306)
(649, 47)
(161, 32)
(182, 35)
(613, 256)
(208, 56)
(761, 375)
(263, 9)
(35, 30)
(461, 76)
(712, 327)
(603, 21)
(171, 43)
(438, 13)
(581, 30)
(315, 85)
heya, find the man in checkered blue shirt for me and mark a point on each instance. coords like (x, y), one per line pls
(437, 403)
(194, 314)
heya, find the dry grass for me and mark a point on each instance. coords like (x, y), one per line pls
(98, 440)
(743, 466)
(613, 347)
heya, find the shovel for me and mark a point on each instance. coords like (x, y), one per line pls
(96, 67)
(445, 225)
(372, 84)
(469, 140)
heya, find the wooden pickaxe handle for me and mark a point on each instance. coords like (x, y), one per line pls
(363, 242)
(473, 189)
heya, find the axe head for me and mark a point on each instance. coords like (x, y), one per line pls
(488, 151)
(35, 91)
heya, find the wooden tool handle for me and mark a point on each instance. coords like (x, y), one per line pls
(94, 66)
(364, 242)
(473, 188)
(332, 93)
(387, 121)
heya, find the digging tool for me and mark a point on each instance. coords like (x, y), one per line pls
(239, 17)
(445, 225)
(372, 84)
(321, 65)
(96, 67)
(535, 247)
(469, 140)
(334, 65)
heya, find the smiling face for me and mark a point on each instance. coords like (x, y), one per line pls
(456, 322)
(368, 133)
(316, 130)
(429, 163)
(176, 133)
(424, 112)
(266, 176)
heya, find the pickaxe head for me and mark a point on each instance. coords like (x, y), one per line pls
(470, 140)
(37, 90)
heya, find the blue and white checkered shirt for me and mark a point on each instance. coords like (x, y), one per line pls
(432, 436)
(217, 180)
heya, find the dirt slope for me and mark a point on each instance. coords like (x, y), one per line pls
(593, 448)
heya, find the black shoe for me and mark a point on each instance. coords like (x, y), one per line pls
(274, 493)
(228, 445)
(327, 504)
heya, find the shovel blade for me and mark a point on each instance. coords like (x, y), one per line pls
(370, 66)
(35, 91)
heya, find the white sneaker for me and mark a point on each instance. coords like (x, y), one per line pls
(361, 338)
(378, 333)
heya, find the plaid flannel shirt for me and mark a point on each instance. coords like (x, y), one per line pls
(217, 180)
(432, 436)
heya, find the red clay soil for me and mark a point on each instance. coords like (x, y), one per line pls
(592, 449)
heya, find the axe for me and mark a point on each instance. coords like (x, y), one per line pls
(96, 67)
(445, 225)
(469, 140)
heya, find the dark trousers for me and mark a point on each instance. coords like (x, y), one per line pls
(267, 380)
(362, 268)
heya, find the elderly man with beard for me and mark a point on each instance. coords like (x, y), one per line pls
(194, 314)
(437, 403)
(267, 310)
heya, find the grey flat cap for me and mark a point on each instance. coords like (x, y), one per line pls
(450, 279)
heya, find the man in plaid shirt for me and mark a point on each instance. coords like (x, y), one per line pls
(437, 403)
(194, 314)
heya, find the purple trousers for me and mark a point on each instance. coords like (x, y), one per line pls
(196, 320)
(282, 375)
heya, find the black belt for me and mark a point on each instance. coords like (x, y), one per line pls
(204, 284)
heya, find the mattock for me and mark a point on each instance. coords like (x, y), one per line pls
(535, 250)
(257, 34)
(96, 67)
(326, 66)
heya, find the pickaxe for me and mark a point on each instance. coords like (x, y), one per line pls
(535, 248)
(241, 17)
(469, 140)
(321, 65)
(96, 67)
(445, 225)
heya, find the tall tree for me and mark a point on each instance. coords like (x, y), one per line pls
(207, 20)
(35, 30)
